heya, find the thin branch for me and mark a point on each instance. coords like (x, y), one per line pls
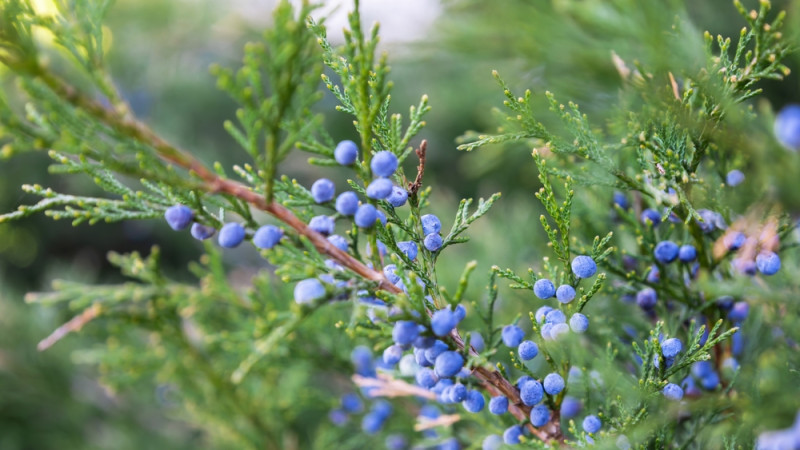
(73, 325)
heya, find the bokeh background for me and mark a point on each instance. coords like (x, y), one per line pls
(160, 55)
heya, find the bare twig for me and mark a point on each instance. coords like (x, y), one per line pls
(417, 184)
(74, 324)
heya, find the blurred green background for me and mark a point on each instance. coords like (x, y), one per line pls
(160, 54)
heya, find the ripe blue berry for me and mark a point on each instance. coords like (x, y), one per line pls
(477, 342)
(398, 197)
(393, 354)
(734, 178)
(474, 402)
(553, 384)
(583, 266)
(380, 188)
(650, 216)
(426, 378)
(352, 403)
(455, 393)
(433, 352)
(653, 275)
(540, 415)
(178, 217)
(621, 200)
(711, 220)
(565, 293)
(498, 405)
(646, 298)
(666, 252)
(381, 216)
(710, 381)
(591, 424)
(512, 434)
(768, 263)
(337, 241)
(578, 323)
(558, 330)
(545, 331)
(383, 164)
(323, 190)
(738, 311)
(544, 288)
(528, 350)
(423, 342)
(570, 407)
(269, 235)
(430, 224)
(366, 216)
(734, 240)
(389, 273)
(322, 224)
(512, 335)
(202, 232)
(555, 316)
(338, 417)
(372, 423)
(671, 347)
(449, 444)
(492, 442)
(432, 242)
(306, 291)
(672, 391)
(404, 332)
(702, 369)
(409, 248)
(531, 392)
(541, 313)
(787, 127)
(347, 203)
(448, 364)
(231, 235)
(345, 153)
(460, 312)
(687, 253)
(443, 321)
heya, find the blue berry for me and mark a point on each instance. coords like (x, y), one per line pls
(512, 335)
(687, 253)
(437, 349)
(498, 405)
(347, 203)
(432, 242)
(393, 354)
(710, 381)
(404, 332)
(565, 293)
(531, 392)
(337, 241)
(734, 178)
(540, 415)
(711, 220)
(269, 235)
(352, 403)
(545, 331)
(578, 323)
(366, 215)
(553, 384)
(528, 350)
(426, 378)
(449, 444)
(322, 224)
(423, 342)
(202, 232)
(398, 197)
(381, 249)
(621, 200)
(702, 369)
(492, 442)
(455, 393)
(734, 240)
(474, 402)
(787, 127)
(396, 442)
(346, 153)
(443, 321)
(460, 312)
(646, 298)
(672, 391)
(555, 316)
(738, 311)
(409, 248)
(653, 275)
(323, 190)
(383, 164)
(381, 216)
(544, 288)
(429, 411)
(306, 291)
(372, 423)
(650, 215)
(570, 407)
(477, 342)
(591, 424)
(389, 273)
(666, 252)
(380, 188)
(671, 347)
(768, 263)
(231, 235)
(744, 266)
(448, 364)
(541, 313)
(338, 417)
(430, 224)
(583, 266)
(558, 330)
(512, 434)
(178, 217)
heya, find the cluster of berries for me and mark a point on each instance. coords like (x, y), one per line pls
(179, 217)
